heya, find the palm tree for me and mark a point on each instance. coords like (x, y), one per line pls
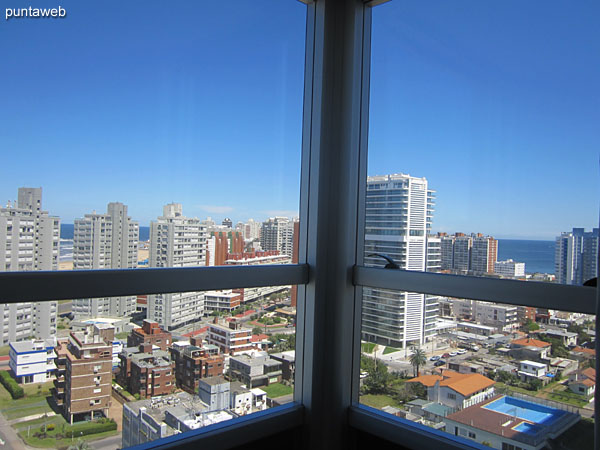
(417, 359)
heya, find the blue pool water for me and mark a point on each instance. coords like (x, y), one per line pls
(528, 428)
(522, 409)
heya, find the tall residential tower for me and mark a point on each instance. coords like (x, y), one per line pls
(399, 211)
(29, 240)
(176, 241)
(576, 256)
(105, 241)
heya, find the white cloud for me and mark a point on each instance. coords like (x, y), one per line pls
(214, 209)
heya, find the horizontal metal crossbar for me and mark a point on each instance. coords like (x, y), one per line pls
(405, 433)
(526, 293)
(234, 433)
(44, 286)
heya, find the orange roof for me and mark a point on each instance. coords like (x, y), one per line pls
(197, 332)
(258, 337)
(426, 380)
(589, 351)
(528, 342)
(463, 383)
(587, 382)
(589, 373)
(468, 384)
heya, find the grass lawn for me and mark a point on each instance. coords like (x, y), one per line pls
(4, 351)
(26, 406)
(122, 335)
(569, 398)
(379, 401)
(500, 386)
(56, 420)
(390, 350)
(367, 347)
(51, 441)
(277, 390)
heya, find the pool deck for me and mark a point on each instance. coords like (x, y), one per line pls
(499, 423)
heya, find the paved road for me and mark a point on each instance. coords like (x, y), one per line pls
(9, 436)
(109, 443)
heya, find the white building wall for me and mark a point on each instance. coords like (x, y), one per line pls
(399, 210)
(29, 240)
(105, 241)
(177, 241)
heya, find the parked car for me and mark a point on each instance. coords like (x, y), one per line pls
(434, 358)
(446, 355)
(462, 351)
(439, 362)
(475, 348)
(453, 353)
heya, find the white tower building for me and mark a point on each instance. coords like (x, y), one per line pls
(105, 241)
(29, 240)
(176, 241)
(399, 210)
(278, 234)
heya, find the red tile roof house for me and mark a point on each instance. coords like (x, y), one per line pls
(457, 390)
(583, 382)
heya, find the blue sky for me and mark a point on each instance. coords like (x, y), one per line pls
(148, 102)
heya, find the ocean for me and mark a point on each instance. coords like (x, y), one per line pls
(67, 229)
(538, 256)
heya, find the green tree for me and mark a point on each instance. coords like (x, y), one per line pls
(530, 325)
(535, 385)
(257, 330)
(417, 359)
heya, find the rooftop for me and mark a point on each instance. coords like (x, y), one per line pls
(528, 342)
(463, 383)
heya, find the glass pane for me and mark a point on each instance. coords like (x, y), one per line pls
(483, 139)
(496, 374)
(122, 381)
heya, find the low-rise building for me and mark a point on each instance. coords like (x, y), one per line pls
(144, 420)
(150, 333)
(147, 371)
(518, 427)
(255, 371)
(232, 339)
(32, 361)
(456, 390)
(529, 342)
(222, 301)
(510, 268)
(194, 361)
(288, 364)
(567, 338)
(215, 393)
(475, 328)
(583, 382)
(84, 372)
(531, 370)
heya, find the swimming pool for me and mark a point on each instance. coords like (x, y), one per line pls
(528, 428)
(523, 409)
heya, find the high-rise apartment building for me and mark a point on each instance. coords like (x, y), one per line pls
(29, 240)
(474, 253)
(252, 229)
(576, 256)
(484, 254)
(176, 241)
(105, 241)
(399, 210)
(278, 234)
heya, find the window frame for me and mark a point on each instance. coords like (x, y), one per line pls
(330, 269)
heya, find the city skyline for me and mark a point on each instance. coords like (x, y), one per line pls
(141, 119)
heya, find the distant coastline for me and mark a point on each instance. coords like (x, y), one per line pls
(538, 256)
